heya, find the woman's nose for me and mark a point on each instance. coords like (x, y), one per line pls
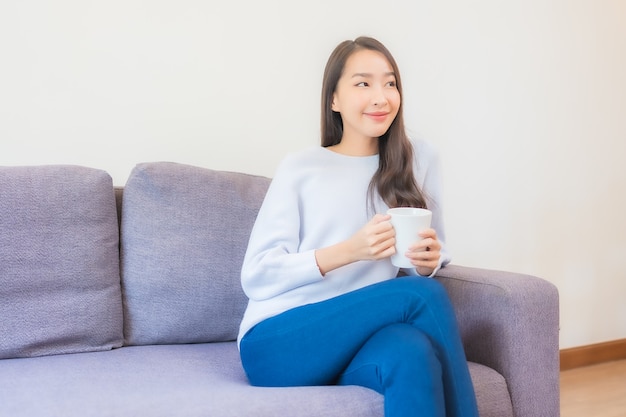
(379, 98)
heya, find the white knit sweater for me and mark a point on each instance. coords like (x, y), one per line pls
(318, 198)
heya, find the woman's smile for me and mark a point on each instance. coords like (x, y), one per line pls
(377, 116)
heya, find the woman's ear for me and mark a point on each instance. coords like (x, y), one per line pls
(333, 105)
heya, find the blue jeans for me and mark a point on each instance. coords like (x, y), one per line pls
(398, 337)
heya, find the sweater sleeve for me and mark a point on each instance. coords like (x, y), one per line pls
(273, 264)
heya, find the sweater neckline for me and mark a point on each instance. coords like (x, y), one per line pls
(350, 157)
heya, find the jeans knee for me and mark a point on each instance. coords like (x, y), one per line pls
(403, 349)
(428, 285)
(427, 289)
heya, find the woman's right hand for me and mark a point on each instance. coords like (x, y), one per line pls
(373, 241)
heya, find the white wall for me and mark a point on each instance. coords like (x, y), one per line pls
(526, 101)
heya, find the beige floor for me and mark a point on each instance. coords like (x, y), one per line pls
(594, 391)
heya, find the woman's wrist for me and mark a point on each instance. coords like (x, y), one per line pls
(424, 271)
(333, 257)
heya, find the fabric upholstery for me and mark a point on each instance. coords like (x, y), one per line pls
(187, 380)
(184, 234)
(510, 322)
(59, 261)
(187, 230)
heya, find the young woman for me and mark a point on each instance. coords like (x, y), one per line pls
(326, 305)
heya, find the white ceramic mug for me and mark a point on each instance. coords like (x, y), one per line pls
(408, 222)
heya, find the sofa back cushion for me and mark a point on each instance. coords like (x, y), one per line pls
(59, 262)
(184, 233)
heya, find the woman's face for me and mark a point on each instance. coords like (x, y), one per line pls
(366, 96)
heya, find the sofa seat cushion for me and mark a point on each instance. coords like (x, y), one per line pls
(59, 261)
(187, 380)
(183, 238)
(165, 380)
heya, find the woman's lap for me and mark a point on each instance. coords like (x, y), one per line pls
(313, 344)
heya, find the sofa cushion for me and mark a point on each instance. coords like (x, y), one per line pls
(59, 261)
(189, 380)
(183, 238)
(192, 380)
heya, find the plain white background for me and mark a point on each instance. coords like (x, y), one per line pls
(525, 100)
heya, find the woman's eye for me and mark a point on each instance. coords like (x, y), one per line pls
(391, 84)
(362, 84)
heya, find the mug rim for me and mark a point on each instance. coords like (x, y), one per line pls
(408, 211)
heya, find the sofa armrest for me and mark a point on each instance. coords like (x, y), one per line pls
(510, 322)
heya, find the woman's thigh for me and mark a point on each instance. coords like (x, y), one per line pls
(313, 344)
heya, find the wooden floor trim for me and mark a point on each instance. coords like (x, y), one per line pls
(593, 354)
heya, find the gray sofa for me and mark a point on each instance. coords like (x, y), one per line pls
(126, 302)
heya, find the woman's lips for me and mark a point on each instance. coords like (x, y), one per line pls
(377, 116)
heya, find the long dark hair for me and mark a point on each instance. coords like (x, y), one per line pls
(394, 180)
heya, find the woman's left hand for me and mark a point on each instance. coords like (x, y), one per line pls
(425, 254)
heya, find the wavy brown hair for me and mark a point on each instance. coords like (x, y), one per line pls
(394, 180)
